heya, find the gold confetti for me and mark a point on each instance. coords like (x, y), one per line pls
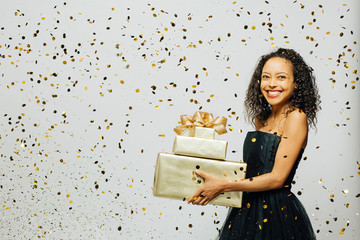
(253, 139)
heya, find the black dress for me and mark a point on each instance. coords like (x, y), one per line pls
(271, 215)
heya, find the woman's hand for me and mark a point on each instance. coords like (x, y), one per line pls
(211, 189)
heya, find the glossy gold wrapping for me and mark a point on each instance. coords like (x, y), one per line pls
(200, 147)
(175, 177)
(202, 132)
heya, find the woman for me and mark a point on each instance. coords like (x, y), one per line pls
(282, 101)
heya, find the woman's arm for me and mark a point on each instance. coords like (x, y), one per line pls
(294, 135)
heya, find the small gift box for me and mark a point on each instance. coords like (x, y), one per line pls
(200, 143)
(202, 132)
(175, 177)
(200, 147)
(202, 120)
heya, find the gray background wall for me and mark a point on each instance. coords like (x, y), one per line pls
(91, 90)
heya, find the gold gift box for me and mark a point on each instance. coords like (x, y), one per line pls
(200, 147)
(202, 132)
(175, 177)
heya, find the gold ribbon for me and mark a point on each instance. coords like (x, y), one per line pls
(201, 119)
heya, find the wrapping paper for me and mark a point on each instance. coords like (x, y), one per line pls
(200, 147)
(201, 119)
(175, 177)
(202, 132)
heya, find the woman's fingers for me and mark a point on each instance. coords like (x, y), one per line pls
(200, 199)
(202, 174)
(197, 198)
(205, 193)
(194, 197)
(203, 201)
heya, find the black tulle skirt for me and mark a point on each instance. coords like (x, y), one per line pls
(270, 215)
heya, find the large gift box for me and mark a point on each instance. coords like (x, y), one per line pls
(175, 176)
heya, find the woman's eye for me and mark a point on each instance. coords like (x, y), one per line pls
(265, 76)
(282, 77)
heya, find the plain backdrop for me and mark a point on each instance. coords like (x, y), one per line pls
(90, 92)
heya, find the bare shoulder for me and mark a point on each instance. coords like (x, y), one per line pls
(296, 128)
(296, 121)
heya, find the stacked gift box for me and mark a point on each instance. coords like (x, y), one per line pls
(175, 172)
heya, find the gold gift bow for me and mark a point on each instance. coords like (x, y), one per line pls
(201, 119)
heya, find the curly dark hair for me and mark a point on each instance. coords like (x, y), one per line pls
(305, 96)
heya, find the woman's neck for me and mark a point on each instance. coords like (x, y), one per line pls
(278, 112)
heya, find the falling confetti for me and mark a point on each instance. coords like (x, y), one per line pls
(89, 92)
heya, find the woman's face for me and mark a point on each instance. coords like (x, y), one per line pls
(277, 81)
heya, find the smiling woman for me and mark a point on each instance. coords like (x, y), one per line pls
(277, 81)
(289, 66)
(281, 113)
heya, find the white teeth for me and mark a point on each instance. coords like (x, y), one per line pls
(273, 92)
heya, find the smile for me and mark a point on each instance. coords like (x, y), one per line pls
(273, 93)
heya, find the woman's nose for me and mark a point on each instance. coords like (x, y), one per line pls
(272, 82)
